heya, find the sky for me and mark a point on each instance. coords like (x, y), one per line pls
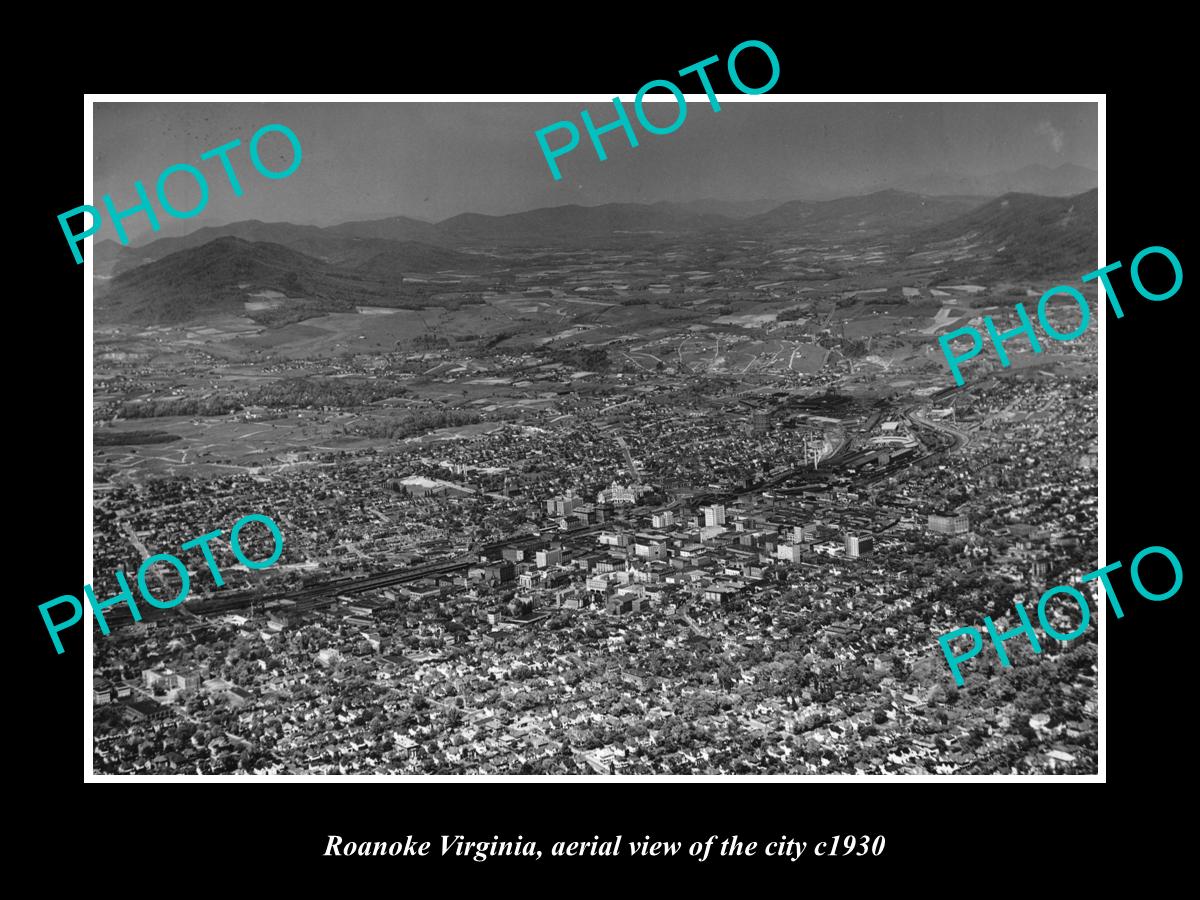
(435, 160)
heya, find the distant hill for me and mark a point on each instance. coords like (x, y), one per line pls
(1061, 181)
(559, 224)
(1021, 235)
(396, 228)
(393, 259)
(218, 277)
(406, 257)
(349, 244)
(105, 254)
(893, 212)
(732, 209)
(251, 230)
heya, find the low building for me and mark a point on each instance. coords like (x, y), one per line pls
(101, 691)
(328, 657)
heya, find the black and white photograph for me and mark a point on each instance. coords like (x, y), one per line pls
(728, 453)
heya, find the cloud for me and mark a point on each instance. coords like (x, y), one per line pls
(1056, 135)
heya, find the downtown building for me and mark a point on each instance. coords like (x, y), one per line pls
(949, 524)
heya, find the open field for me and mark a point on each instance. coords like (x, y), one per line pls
(555, 325)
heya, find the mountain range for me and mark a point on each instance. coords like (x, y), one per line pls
(398, 246)
(352, 242)
(1022, 235)
(558, 224)
(1060, 181)
(889, 211)
(912, 204)
(216, 270)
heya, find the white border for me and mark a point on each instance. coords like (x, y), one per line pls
(89, 100)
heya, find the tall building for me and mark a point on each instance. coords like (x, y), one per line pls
(714, 515)
(804, 533)
(760, 421)
(949, 524)
(790, 552)
(560, 506)
(664, 518)
(859, 545)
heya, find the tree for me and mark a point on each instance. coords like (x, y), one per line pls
(725, 675)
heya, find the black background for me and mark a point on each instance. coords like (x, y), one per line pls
(957, 833)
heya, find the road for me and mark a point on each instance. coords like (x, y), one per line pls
(963, 437)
